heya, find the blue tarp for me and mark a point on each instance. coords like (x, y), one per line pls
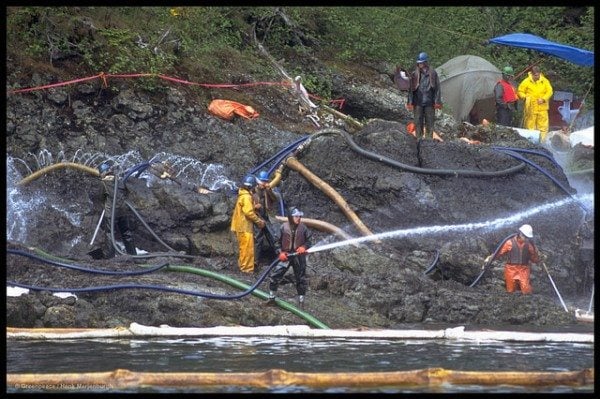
(575, 55)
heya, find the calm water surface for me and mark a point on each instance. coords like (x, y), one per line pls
(246, 354)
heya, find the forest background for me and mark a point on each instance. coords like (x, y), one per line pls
(205, 43)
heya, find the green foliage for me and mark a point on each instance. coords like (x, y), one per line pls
(206, 41)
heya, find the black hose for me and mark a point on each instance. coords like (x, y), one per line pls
(152, 287)
(410, 168)
(112, 214)
(280, 153)
(434, 263)
(174, 253)
(137, 168)
(141, 219)
(559, 184)
(491, 259)
(535, 152)
(84, 269)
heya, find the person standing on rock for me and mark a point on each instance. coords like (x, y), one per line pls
(537, 91)
(294, 237)
(424, 96)
(506, 98)
(121, 218)
(242, 221)
(267, 198)
(521, 252)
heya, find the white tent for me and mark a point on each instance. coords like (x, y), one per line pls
(465, 80)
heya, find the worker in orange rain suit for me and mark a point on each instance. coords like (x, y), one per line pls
(243, 218)
(521, 252)
(536, 90)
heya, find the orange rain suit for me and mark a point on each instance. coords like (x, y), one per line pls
(517, 267)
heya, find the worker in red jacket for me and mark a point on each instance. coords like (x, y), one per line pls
(521, 252)
(506, 98)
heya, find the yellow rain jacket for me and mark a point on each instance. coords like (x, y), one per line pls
(244, 216)
(536, 115)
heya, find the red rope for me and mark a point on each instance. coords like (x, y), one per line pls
(104, 77)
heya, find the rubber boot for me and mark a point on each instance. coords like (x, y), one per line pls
(129, 246)
(271, 299)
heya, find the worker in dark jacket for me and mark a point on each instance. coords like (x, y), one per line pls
(424, 96)
(295, 238)
(521, 252)
(122, 220)
(505, 93)
(267, 200)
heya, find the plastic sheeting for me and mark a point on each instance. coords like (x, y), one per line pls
(585, 137)
(464, 80)
(525, 40)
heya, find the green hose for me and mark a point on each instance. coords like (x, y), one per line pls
(258, 293)
(220, 277)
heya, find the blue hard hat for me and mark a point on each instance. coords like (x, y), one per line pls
(249, 181)
(104, 167)
(423, 57)
(263, 176)
(297, 212)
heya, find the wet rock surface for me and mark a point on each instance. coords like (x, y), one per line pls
(376, 284)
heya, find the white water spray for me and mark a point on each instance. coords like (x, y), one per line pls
(484, 226)
(22, 207)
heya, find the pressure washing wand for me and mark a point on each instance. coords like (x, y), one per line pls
(97, 227)
(555, 289)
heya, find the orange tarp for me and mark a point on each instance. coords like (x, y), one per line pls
(227, 109)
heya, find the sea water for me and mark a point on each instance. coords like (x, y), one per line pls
(294, 354)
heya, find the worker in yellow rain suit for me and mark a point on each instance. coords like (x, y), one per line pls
(537, 91)
(244, 216)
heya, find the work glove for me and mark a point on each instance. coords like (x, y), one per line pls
(410, 107)
(437, 106)
(300, 250)
(283, 256)
(488, 259)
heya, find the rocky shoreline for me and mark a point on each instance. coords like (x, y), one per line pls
(374, 285)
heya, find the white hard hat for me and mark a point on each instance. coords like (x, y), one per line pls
(526, 230)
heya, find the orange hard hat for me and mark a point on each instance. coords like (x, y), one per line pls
(410, 127)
